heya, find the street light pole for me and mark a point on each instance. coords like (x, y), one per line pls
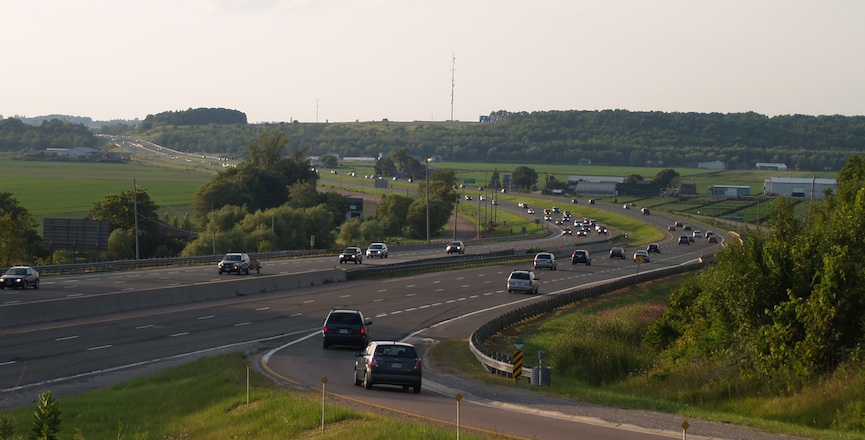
(426, 159)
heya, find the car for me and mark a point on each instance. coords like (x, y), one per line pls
(566, 231)
(495, 202)
(684, 239)
(483, 198)
(548, 212)
(626, 206)
(468, 197)
(530, 211)
(523, 281)
(644, 211)
(709, 234)
(581, 233)
(457, 247)
(376, 250)
(548, 218)
(559, 221)
(671, 228)
(602, 231)
(545, 260)
(20, 276)
(239, 262)
(345, 327)
(679, 224)
(697, 234)
(592, 222)
(591, 201)
(711, 239)
(653, 247)
(555, 209)
(687, 228)
(389, 363)
(643, 255)
(617, 252)
(522, 205)
(581, 256)
(573, 200)
(351, 253)
(566, 213)
(395, 179)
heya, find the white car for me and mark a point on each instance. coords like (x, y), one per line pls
(376, 250)
(642, 254)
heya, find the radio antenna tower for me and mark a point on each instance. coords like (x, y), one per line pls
(453, 68)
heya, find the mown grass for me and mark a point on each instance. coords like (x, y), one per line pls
(207, 399)
(597, 355)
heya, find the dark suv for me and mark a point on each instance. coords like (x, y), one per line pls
(581, 256)
(617, 252)
(345, 327)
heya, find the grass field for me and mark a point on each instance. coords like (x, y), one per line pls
(207, 399)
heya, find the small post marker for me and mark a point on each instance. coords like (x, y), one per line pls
(458, 397)
(248, 364)
(685, 426)
(518, 362)
(323, 383)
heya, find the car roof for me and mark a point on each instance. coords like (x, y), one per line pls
(401, 344)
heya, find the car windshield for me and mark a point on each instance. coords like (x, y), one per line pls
(375, 246)
(580, 254)
(232, 258)
(617, 249)
(348, 251)
(395, 351)
(18, 271)
(520, 275)
(344, 318)
(454, 243)
(543, 256)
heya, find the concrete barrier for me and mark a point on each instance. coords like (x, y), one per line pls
(90, 305)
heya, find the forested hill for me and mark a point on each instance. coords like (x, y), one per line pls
(15, 135)
(605, 137)
(198, 116)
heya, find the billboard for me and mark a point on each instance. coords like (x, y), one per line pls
(75, 234)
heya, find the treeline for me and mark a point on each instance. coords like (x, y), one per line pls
(612, 137)
(785, 307)
(198, 116)
(15, 135)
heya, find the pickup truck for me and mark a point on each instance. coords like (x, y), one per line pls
(238, 262)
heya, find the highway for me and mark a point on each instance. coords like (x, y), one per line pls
(422, 309)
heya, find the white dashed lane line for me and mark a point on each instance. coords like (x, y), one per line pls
(101, 347)
(261, 308)
(142, 327)
(178, 334)
(66, 338)
(206, 317)
(242, 323)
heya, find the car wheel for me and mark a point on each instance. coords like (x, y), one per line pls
(1, 287)
(24, 285)
(357, 381)
(385, 255)
(509, 290)
(417, 389)
(247, 271)
(324, 343)
(366, 382)
(220, 271)
(36, 284)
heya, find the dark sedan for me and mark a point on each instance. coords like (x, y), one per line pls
(388, 363)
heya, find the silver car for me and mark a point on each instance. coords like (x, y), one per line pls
(523, 281)
(376, 250)
(545, 260)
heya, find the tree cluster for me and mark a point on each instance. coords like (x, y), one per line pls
(610, 137)
(784, 304)
(16, 135)
(198, 116)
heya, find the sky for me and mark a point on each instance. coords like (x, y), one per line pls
(430, 60)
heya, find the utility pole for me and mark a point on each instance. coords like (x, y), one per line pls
(456, 215)
(453, 69)
(426, 159)
(135, 212)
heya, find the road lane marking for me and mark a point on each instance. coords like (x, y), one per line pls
(144, 327)
(439, 290)
(474, 296)
(242, 323)
(206, 317)
(261, 308)
(13, 302)
(377, 300)
(436, 282)
(345, 296)
(128, 289)
(381, 315)
(73, 295)
(99, 347)
(179, 334)
(296, 314)
(410, 285)
(411, 309)
(464, 285)
(309, 301)
(451, 301)
(69, 287)
(66, 338)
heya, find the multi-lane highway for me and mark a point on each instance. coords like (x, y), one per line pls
(421, 308)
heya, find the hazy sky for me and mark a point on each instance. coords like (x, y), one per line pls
(346, 60)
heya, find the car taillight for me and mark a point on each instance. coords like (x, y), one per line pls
(373, 363)
(417, 366)
(325, 329)
(362, 330)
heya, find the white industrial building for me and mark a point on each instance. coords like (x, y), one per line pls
(714, 165)
(594, 185)
(771, 166)
(797, 187)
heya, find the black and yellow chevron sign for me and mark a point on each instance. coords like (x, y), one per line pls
(518, 364)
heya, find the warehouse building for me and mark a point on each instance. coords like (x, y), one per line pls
(729, 190)
(798, 187)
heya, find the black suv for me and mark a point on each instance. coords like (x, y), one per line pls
(617, 252)
(345, 327)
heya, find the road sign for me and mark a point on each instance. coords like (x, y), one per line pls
(469, 181)
(518, 364)
(518, 344)
(639, 259)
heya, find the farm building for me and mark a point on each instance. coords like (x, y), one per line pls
(797, 186)
(714, 165)
(594, 185)
(729, 190)
(771, 166)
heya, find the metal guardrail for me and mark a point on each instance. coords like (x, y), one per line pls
(500, 363)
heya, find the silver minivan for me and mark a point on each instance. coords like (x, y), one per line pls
(545, 260)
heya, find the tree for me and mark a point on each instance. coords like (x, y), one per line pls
(302, 195)
(267, 150)
(633, 178)
(18, 237)
(329, 161)
(385, 167)
(665, 177)
(119, 211)
(495, 181)
(524, 177)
